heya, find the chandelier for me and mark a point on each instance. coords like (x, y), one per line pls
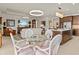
(36, 13)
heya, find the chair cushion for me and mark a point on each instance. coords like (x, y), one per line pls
(26, 33)
(29, 33)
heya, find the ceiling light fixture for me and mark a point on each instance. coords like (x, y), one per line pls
(59, 14)
(36, 13)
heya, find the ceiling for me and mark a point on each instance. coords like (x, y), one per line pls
(49, 9)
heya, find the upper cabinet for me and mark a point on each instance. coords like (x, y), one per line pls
(75, 20)
(66, 19)
(64, 22)
(75, 25)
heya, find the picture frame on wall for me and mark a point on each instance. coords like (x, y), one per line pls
(10, 23)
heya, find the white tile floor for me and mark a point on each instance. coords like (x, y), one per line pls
(70, 48)
(7, 47)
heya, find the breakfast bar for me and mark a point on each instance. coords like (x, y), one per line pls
(66, 34)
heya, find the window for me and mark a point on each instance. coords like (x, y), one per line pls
(23, 22)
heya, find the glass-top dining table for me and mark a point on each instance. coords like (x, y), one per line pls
(36, 39)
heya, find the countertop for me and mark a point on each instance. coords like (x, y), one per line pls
(61, 29)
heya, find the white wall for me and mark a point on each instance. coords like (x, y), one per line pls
(52, 20)
(39, 19)
(13, 17)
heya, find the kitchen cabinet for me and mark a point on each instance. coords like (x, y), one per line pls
(66, 34)
(75, 25)
(7, 31)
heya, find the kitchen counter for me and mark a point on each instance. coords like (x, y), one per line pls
(61, 29)
(66, 34)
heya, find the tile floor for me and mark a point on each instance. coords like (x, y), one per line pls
(69, 48)
(7, 47)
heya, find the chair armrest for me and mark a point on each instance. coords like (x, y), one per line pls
(42, 50)
(28, 46)
(25, 47)
(17, 47)
(45, 49)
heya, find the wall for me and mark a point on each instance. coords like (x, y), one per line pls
(9, 16)
(50, 21)
(39, 19)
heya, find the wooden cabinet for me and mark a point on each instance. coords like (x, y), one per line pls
(7, 31)
(33, 23)
(75, 20)
(0, 39)
(76, 25)
(76, 32)
(66, 35)
(65, 19)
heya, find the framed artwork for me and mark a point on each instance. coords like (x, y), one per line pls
(10, 23)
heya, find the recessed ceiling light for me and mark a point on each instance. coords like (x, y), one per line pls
(59, 3)
(59, 7)
(73, 3)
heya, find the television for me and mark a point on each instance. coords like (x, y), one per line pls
(23, 22)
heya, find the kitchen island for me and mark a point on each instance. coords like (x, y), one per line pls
(66, 34)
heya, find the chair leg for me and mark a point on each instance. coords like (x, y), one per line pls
(34, 49)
